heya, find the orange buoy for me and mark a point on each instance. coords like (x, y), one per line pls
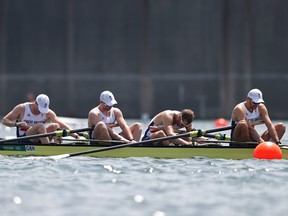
(221, 122)
(267, 150)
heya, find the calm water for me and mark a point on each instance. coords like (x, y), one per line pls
(143, 186)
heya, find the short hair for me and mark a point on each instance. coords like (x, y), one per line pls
(188, 115)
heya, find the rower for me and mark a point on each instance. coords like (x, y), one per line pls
(29, 118)
(168, 123)
(249, 113)
(104, 116)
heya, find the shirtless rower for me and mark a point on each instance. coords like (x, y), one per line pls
(170, 122)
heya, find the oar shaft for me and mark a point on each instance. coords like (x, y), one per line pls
(93, 140)
(217, 129)
(204, 132)
(218, 136)
(232, 142)
(55, 133)
(160, 139)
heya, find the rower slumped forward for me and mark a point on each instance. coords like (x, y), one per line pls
(249, 113)
(169, 123)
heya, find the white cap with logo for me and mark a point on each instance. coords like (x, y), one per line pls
(108, 98)
(256, 96)
(43, 103)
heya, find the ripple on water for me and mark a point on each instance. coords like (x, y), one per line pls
(143, 186)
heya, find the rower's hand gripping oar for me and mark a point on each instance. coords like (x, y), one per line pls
(197, 133)
(57, 133)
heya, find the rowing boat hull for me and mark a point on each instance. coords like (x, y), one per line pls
(155, 152)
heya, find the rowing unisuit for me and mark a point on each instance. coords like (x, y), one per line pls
(30, 119)
(253, 117)
(111, 119)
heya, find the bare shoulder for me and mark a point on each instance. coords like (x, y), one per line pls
(261, 106)
(51, 114)
(117, 112)
(166, 116)
(94, 111)
(262, 109)
(161, 115)
(17, 112)
(238, 112)
(238, 107)
(20, 108)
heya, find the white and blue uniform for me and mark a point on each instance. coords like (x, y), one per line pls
(253, 118)
(111, 119)
(30, 119)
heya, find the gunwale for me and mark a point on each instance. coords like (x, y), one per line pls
(223, 152)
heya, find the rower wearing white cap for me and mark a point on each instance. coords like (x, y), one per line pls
(29, 119)
(104, 116)
(251, 112)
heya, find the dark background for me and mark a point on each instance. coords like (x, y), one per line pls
(153, 55)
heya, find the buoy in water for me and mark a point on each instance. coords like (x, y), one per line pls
(221, 122)
(267, 150)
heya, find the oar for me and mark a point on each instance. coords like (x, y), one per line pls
(229, 141)
(94, 140)
(189, 134)
(283, 147)
(223, 138)
(241, 144)
(218, 136)
(58, 133)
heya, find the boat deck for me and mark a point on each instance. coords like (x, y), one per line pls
(155, 152)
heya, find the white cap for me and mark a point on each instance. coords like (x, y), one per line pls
(256, 96)
(43, 103)
(108, 98)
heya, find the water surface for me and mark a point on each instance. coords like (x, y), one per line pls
(143, 186)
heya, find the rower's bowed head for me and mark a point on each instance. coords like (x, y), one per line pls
(268, 151)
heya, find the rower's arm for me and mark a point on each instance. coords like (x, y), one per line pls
(271, 129)
(126, 132)
(51, 115)
(10, 119)
(168, 128)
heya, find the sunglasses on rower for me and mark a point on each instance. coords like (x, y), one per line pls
(254, 102)
(106, 105)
